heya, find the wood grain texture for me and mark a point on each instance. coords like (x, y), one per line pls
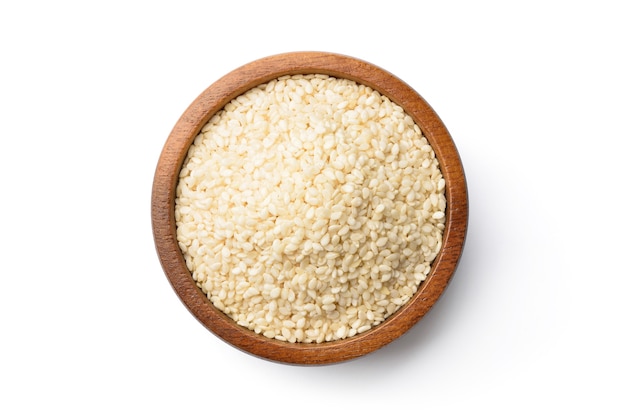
(210, 102)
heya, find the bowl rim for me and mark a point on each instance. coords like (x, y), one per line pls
(212, 100)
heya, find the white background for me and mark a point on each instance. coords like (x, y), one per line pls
(534, 95)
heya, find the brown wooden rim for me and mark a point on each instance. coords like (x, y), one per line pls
(210, 102)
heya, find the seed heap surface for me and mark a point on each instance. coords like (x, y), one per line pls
(310, 208)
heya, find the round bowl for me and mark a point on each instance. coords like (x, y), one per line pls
(212, 100)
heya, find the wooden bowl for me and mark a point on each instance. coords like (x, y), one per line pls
(210, 102)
